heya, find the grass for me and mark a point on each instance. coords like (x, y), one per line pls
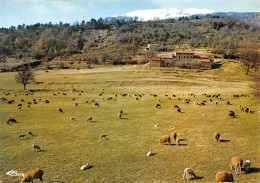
(69, 144)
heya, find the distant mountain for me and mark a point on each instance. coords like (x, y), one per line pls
(254, 18)
(162, 14)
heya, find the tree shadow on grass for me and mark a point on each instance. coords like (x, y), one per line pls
(199, 178)
(182, 139)
(224, 140)
(254, 170)
(123, 118)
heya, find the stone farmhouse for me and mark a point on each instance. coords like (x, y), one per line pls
(186, 59)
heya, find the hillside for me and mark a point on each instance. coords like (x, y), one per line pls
(118, 41)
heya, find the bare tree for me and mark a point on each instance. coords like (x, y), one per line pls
(149, 54)
(25, 77)
(250, 57)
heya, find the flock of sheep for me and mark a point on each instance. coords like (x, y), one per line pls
(235, 163)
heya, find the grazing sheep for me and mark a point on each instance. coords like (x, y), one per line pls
(236, 163)
(21, 136)
(149, 153)
(174, 136)
(231, 114)
(60, 110)
(217, 136)
(165, 138)
(19, 105)
(96, 104)
(85, 167)
(178, 141)
(224, 177)
(11, 120)
(189, 174)
(158, 106)
(72, 118)
(179, 110)
(176, 106)
(76, 104)
(247, 166)
(103, 136)
(29, 133)
(228, 103)
(89, 118)
(7, 122)
(33, 174)
(119, 116)
(216, 103)
(73, 99)
(47, 101)
(173, 128)
(121, 111)
(36, 147)
(156, 126)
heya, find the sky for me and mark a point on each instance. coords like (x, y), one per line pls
(18, 12)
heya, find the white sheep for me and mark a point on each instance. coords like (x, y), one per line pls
(85, 167)
(72, 118)
(189, 174)
(178, 141)
(156, 126)
(247, 166)
(149, 153)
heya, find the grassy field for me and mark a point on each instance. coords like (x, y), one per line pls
(67, 144)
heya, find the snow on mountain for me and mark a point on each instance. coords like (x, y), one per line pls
(160, 14)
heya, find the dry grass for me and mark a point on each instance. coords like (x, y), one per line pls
(69, 144)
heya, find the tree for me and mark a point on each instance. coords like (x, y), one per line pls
(148, 55)
(25, 77)
(250, 57)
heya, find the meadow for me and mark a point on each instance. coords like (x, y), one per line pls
(121, 157)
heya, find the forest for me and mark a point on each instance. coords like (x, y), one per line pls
(117, 40)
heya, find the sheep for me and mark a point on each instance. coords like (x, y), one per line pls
(76, 104)
(231, 114)
(119, 116)
(165, 138)
(217, 136)
(228, 103)
(89, 118)
(158, 106)
(85, 167)
(173, 128)
(189, 174)
(33, 174)
(72, 118)
(216, 103)
(179, 110)
(236, 163)
(149, 153)
(21, 136)
(224, 177)
(19, 105)
(7, 123)
(47, 101)
(247, 166)
(174, 136)
(176, 106)
(156, 126)
(11, 120)
(121, 111)
(29, 133)
(178, 142)
(60, 110)
(36, 147)
(96, 104)
(103, 136)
